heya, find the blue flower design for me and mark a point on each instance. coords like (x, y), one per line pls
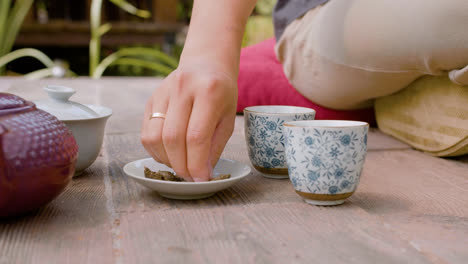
(339, 173)
(251, 140)
(333, 189)
(270, 152)
(316, 161)
(332, 165)
(263, 134)
(309, 141)
(313, 176)
(344, 184)
(334, 152)
(271, 125)
(251, 152)
(345, 140)
(266, 165)
(275, 162)
(294, 181)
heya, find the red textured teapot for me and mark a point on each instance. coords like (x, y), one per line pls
(37, 156)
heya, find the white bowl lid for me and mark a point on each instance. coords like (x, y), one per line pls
(60, 106)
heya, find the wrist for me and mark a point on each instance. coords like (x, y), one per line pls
(222, 52)
(215, 35)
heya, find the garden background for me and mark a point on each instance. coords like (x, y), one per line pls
(64, 38)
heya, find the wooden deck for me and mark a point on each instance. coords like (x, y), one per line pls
(409, 208)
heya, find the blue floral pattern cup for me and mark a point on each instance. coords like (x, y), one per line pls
(325, 158)
(264, 136)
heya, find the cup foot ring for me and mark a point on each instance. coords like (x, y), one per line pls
(324, 203)
(324, 199)
(275, 176)
(273, 173)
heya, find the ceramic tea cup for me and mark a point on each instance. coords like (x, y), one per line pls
(325, 158)
(264, 136)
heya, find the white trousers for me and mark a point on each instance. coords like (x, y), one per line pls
(346, 53)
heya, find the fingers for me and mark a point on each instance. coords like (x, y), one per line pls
(175, 131)
(152, 130)
(199, 121)
(145, 135)
(220, 138)
(201, 127)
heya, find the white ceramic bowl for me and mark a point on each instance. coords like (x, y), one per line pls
(86, 122)
(89, 135)
(186, 190)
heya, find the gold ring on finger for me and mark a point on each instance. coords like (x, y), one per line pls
(158, 115)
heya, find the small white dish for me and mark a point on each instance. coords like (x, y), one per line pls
(186, 190)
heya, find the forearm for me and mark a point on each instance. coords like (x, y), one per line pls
(216, 31)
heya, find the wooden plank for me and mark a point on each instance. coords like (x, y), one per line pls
(257, 221)
(409, 208)
(115, 92)
(125, 96)
(379, 141)
(74, 228)
(60, 26)
(421, 198)
(59, 33)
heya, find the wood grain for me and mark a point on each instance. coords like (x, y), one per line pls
(421, 198)
(256, 221)
(409, 208)
(127, 96)
(71, 229)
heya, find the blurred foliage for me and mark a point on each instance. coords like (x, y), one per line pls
(12, 14)
(260, 25)
(144, 62)
(258, 29)
(137, 58)
(265, 7)
(147, 61)
(184, 9)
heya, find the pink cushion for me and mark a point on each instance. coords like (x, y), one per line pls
(262, 82)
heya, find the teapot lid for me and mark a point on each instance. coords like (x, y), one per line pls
(10, 103)
(60, 106)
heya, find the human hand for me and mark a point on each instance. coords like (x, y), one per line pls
(199, 101)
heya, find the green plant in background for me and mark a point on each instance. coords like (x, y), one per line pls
(167, 63)
(260, 25)
(265, 7)
(136, 56)
(11, 19)
(12, 14)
